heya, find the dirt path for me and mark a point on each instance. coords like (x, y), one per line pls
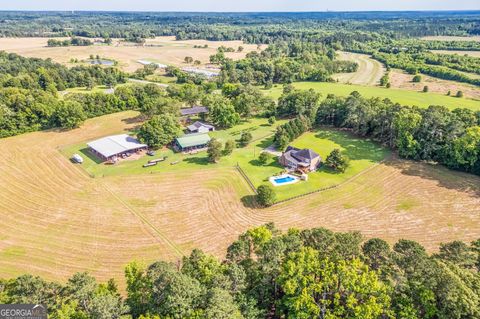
(369, 70)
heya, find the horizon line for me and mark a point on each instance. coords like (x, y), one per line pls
(177, 11)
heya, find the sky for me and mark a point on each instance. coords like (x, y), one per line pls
(239, 5)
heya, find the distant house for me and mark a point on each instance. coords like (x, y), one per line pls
(304, 160)
(192, 142)
(199, 127)
(194, 110)
(113, 146)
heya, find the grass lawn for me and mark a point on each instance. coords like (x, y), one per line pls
(259, 128)
(404, 97)
(95, 89)
(362, 152)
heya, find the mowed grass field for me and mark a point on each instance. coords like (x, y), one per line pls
(55, 219)
(404, 97)
(362, 153)
(164, 50)
(369, 70)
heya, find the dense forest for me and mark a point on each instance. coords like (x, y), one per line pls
(284, 63)
(311, 273)
(250, 27)
(28, 93)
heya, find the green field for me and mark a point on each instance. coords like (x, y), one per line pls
(363, 154)
(95, 89)
(404, 97)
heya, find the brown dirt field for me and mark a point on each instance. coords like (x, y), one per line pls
(162, 49)
(55, 220)
(402, 80)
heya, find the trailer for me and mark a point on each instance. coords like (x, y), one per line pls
(149, 164)
(157, 160)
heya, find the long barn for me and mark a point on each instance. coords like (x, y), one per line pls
(109, 147)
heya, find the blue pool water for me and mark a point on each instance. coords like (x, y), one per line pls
(284, 180)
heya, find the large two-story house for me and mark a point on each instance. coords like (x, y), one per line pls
(304, 160)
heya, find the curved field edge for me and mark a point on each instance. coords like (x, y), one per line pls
(55, 220)
(369, 70)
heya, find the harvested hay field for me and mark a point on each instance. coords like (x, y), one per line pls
(475, 54)
(164, 50)
(369, 70)
(56, 220)
(451, 38)
(401, 80)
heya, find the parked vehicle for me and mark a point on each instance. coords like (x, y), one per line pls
(77, 159)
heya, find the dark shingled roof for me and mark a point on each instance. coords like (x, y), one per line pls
(305, 155)
(194, 110)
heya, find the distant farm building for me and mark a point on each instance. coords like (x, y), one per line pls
(304, 160)
(194, 110)
(206, 73)
(111, 147)
(192, 142)
(199, 127)
(159, 65)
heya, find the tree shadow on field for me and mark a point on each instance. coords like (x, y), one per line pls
(356, 148)
(250, 201)
(85, 151)
(134, 120)
(443, 176)
(265, 142)
(197, 160)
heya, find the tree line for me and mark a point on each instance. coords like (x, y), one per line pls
(266, 273)
(436, 134)
(433, 134)
(254, 27)
(74, 41)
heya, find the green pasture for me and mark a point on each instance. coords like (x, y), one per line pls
(404, 97)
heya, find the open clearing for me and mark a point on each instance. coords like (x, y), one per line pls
(362, 153)
(369, 70)
(470, 53)
(452, 38)
(401, 80)
(164, 50)
(56, 220)
(404, 97)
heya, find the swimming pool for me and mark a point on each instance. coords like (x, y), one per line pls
(284, 179)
